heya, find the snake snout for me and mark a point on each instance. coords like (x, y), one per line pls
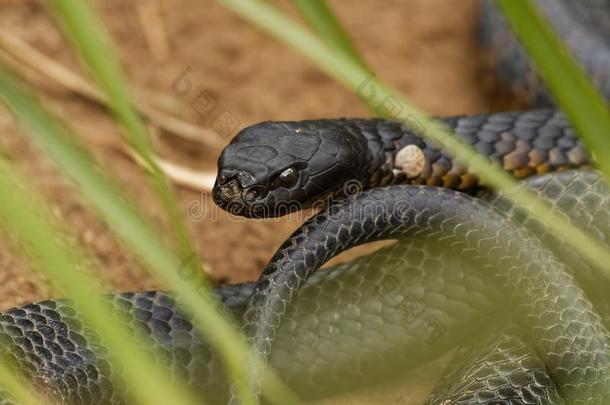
(230, 194)
(227, 191)
(229, 197)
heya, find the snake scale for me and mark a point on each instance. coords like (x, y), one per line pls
(459, 265)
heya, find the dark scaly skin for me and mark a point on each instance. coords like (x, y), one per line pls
(583, 25)
(330, 155)
(402, 304)
(500, 369)
(503, 368)
(567, 333)
(581, 198)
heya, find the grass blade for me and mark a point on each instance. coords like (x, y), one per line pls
(327, 26)
(192, 289)
(564, 77)
(391, 103)
(24, 220)
(89, 37)
(16, 385)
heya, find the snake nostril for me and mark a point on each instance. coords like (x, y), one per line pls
(250, 196)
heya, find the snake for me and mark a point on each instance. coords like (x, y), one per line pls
(399, 211)
(462, 259)
(274, 168)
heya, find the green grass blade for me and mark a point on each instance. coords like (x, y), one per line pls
(327, 26)
(85, 31)
(564, 77)
(191, 288)
(391, 103)
(13, 382)
(24, 220)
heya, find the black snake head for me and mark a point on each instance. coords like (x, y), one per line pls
(274, 168)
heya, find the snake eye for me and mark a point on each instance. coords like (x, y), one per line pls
(287, 178)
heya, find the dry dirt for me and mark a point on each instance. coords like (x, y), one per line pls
(425, 48)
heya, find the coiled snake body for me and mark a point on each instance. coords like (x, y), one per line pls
(459, 264)
(407, 304)
(469, 227)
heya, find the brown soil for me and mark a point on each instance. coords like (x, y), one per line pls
(426, 48)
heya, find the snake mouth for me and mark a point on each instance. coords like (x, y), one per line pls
(250, 202)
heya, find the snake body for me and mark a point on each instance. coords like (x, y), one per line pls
(584, 27)
(530, 275)
(64, 357)
(408, 303)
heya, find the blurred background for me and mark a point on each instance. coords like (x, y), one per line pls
(198, 62)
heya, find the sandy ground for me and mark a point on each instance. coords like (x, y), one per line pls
(426, 48)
